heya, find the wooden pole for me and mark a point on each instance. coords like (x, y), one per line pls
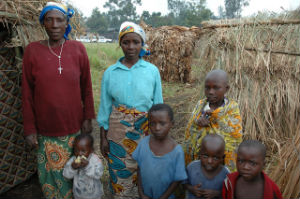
(277, 22)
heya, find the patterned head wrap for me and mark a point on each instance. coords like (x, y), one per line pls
(128, 27)
(63, 9)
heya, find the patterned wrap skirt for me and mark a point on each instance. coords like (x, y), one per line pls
(126, 128)
(52, 155)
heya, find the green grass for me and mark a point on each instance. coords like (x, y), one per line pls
(101, 56)
(170, 89)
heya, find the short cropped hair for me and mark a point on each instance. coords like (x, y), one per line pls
(254, 144)
(85, 136)
(162, 107)
(213, 136)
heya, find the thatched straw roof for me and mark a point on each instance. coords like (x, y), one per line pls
(262, 57)
(22, 18)
(172, 49)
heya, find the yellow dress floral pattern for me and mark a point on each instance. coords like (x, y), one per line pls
(225, 121)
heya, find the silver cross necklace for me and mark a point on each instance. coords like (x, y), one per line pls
(58, 56)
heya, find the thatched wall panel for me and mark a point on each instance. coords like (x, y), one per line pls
(172, 50)
(263, 61)
(17, 162)
(27, 34)
(286, 172)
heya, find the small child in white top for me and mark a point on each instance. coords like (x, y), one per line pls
(85, 168)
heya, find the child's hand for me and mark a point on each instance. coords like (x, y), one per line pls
(196, 190)
(83, 163)
(203, 121)
(209, 194)
(80, 162)
(75, 165)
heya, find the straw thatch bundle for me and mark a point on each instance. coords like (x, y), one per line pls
(172, 49)
(286, 172)
(19, 26)
(21, 19)
(262, 57)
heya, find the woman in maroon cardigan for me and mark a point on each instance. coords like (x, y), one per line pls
(57, 98)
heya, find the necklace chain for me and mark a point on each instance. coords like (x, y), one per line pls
(58, 56)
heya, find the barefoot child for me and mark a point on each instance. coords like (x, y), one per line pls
(215, 114)
(250, 181)
(159, 157)
(206, 176)
(85, 168)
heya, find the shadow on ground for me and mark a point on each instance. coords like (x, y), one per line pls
(29, 189)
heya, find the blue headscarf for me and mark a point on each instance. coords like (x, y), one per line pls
(63, 9)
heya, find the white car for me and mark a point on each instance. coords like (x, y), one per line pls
(84, 40)
(104, 40)
(94, 39)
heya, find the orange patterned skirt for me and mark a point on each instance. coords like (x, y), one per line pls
(126, 128)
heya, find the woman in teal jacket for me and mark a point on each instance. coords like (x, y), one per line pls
(128, 90)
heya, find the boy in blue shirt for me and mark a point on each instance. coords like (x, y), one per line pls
(159, 157)
(206, 176)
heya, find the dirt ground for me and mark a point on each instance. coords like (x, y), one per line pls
(29, 189)
(182, 99)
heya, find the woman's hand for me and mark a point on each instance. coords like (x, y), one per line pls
(32, 140)
(87, 126)
(104, 146)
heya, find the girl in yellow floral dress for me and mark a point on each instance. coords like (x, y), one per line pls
(215, 114)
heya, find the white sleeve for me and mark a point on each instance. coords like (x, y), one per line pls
(68, 171)
(95, 168)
